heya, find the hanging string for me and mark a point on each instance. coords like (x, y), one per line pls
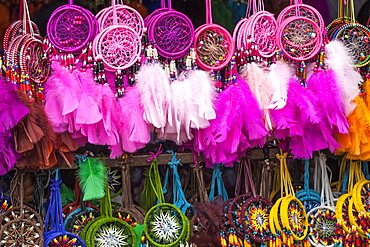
(217, 180)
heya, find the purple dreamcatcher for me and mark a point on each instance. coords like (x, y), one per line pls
(299, 37)
(118, 45)
(70, 27)
(171, 31)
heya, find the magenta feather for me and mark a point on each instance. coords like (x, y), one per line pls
(8, 155)
(12, 110)
(238, 126)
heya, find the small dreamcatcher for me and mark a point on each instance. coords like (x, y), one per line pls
(309, 197)
(126, 16)
(354, 36)
(171, 32)
(107, 230)
(213, 44)
(128, 211)
(299, 37)
(322, 220)
(71, 27)
(118, 46)
(288, 218)
(20, 224)
(304, 10)
(15, 29)
(166, 225)
(55, 234)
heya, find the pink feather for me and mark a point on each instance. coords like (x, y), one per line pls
(262, 90)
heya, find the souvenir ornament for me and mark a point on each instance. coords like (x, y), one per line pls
(213, 44)
(171, 32)
(70, 27)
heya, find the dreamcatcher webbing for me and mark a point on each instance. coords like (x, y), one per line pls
(178, 195)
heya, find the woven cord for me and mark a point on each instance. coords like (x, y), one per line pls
(54, 214)
(217, 180)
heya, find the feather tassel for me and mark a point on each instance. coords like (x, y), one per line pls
(92, 177)
(339, 60)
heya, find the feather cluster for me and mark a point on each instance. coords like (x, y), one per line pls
(237, 127)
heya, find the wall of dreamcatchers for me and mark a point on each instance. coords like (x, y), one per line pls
(118, 130)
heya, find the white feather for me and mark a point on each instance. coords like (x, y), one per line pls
(155, 93)
(278, 77)
(339, 60)
(256, 78)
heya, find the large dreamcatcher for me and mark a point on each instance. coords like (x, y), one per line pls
(118, 45)
(20, 225)
(71, 27)
(170, 31)
(354, 36)
(298, 37)
(213, 44)
(55, 234)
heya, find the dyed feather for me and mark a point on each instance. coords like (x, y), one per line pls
(92, 177)
(279, 76)
(256, 78)
(66, 194)
(339, 60)
(155, 94)
(8, 155)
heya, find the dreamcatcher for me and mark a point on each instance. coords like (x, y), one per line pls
(118, 46)
(20, 224)
(354, 36)
(128, 211)
(349, 218)
(55, 234)
(5, 202)
(165, 224)
(126, 16)
(213, 44)
(288, 218)
(309, 197)
(259, 28)
(322, 220)
(26, 66)
(170, 31)
(298, 37)
(107, 230)
(71, 27)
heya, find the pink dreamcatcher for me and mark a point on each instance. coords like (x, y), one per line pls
(15, 29)
(260, 28)
(213, 44)
(125, 16)
(71, 27)
(299, 37)
(118, 46)
(171, 31)
(301, 9)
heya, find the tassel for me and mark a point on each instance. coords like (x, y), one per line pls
(92, 176)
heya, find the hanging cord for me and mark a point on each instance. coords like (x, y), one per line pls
(242, 172)
(365, 169)
(54, 219)
(217, 179)
(286, 187)
(179, 199)
(198, 172)
(127, 201)
(41, 180)
(327, 197)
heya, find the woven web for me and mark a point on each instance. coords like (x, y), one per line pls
(299, 39)
(119, 46)
(264, 34)
(125, 17)
(20, 233)
(172, 34)
(113, 234)
(358, 42)
(323, 226)
(302, 12)
(71, 29)
(212, 47)
(296, 218)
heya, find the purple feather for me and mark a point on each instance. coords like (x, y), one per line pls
(12, 110)
(8, 155)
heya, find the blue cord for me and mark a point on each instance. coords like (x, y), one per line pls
(217, 179)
